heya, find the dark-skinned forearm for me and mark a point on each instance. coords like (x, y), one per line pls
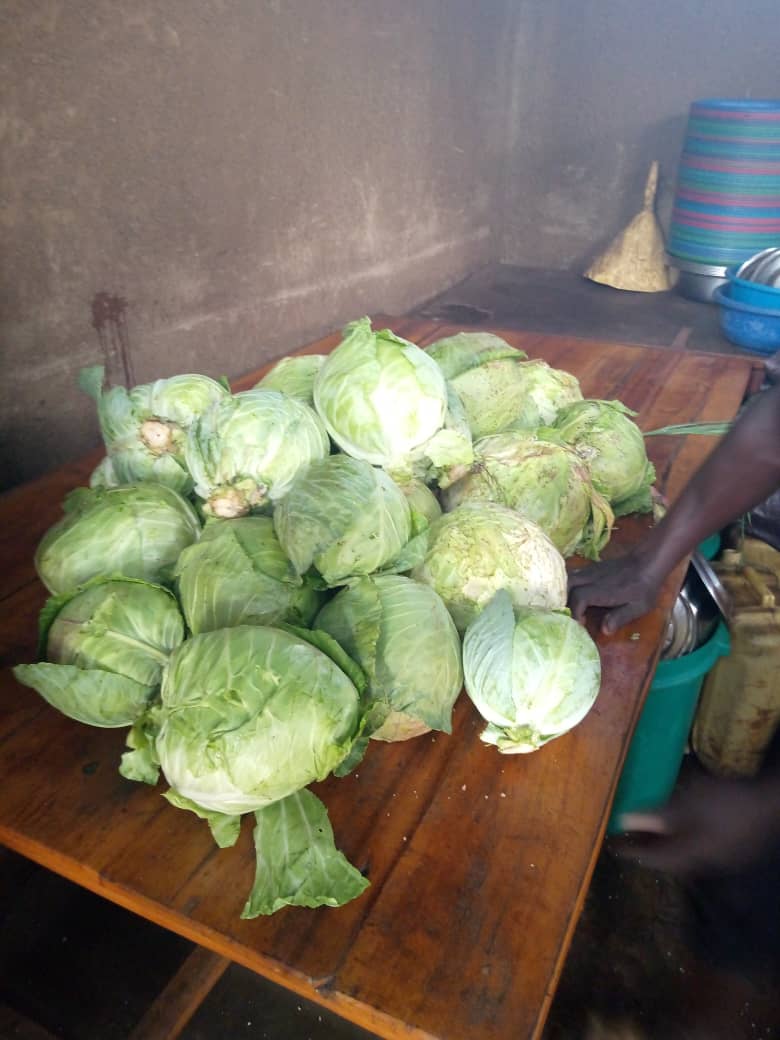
(741, 472)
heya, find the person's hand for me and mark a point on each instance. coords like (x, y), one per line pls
(628, 586)
(711, 825)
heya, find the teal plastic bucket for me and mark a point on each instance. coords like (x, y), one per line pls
(658, 745)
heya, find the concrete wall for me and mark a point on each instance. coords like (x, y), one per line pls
(206, 184)
(201, 185)
(602, 87)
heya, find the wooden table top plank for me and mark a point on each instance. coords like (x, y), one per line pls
(371, 811)
(458, 935)
(531, 813)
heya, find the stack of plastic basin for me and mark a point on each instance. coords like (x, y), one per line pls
(727, 201)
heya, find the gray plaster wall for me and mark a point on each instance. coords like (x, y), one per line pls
(600, 88)
(203, 185)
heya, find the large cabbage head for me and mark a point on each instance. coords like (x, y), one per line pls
(252, 714)
(105, 647)
(145, 428)
(532, 674)
(482, 547)
(237, 574)
(613, 447)
(294, 376)
(546, 390)
(245, 451)
(400, 633)
(481, 368)
(346, 519)
(543, 481)
(385, 401)
(134, 532)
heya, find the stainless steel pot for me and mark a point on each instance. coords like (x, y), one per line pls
(701, 603)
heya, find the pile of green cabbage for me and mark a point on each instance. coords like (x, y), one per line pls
(257, 584)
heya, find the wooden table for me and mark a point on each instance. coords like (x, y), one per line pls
(479, 863)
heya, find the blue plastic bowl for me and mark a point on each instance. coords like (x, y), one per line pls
(754, 328)
(755, 294)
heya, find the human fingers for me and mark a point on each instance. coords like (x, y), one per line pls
(621, 615)
(584, 575)
(594, 595)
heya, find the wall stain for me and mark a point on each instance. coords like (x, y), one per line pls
(109, 319)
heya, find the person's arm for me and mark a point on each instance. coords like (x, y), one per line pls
(741, 472)
(712, 824)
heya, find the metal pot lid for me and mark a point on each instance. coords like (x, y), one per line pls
(681, 630)
(712, 583)
(763, 268)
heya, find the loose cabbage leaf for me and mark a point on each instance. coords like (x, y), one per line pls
(224, 828)
(96, 697)
(298, 863)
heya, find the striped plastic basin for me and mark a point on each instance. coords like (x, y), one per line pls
(727, 202)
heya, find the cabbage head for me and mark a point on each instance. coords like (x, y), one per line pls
(613, 447)
(543, 481)
(294, 376)
(245, 451)
(129, 531)
(402, 636)
(105, 647)
(532, 674)
(480, 367)
(481, 547)
(346, 519)
(421, 499)
(546, 390)
(497, 386)
(237, 574)
(248, 717)
(104, 475)
(251, 714)
(385, 401)
(145, 428)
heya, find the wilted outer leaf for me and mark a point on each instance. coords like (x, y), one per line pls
(298, 863)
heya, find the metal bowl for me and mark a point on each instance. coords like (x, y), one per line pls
(695, 613)
(763, 268)
(697, 281)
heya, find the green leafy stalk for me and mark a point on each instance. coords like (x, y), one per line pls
(705, 429)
